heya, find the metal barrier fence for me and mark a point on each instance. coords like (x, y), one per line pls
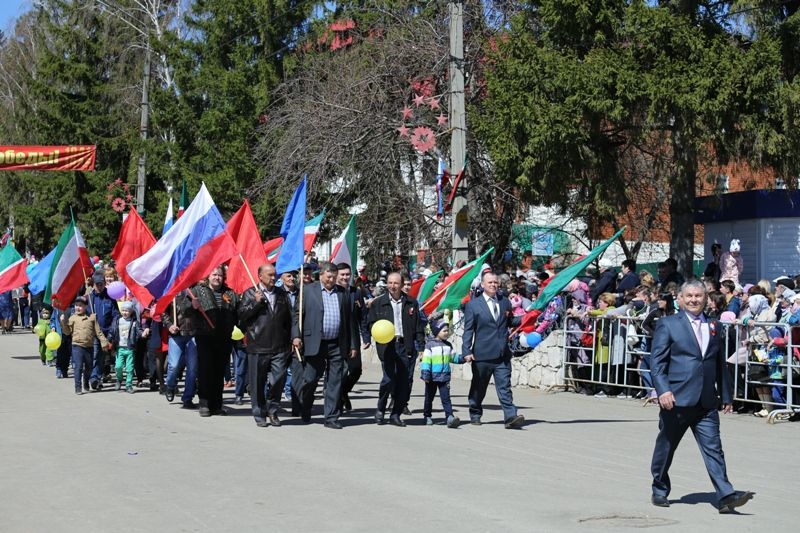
(610, 356)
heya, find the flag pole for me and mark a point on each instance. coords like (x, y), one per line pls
(300, 317)
(202, 311)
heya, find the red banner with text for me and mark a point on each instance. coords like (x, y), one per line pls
(47, 157)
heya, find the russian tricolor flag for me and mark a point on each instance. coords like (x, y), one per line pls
(195, 245)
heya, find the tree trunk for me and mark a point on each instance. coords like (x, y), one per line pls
(681, 205)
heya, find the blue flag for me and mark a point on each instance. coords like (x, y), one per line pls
(39, 273)
(293, 232)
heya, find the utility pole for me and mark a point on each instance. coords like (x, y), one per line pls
(144, 125)
(458, 126)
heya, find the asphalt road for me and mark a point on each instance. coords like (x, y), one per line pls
(111, 460)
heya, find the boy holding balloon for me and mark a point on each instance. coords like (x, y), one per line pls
(84, 330)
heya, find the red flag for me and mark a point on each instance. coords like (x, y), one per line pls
(135, 238)
(244, 232)
(448, 205)
(416, 285)
(528, 322)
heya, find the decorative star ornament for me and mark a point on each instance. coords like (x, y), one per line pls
(423, 139)
(407, 113)
(419, 100)
(403, 130)
(434, 103)
(441, 120)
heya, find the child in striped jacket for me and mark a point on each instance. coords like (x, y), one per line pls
(435, 372)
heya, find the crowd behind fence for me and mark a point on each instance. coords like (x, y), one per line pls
(611, 357)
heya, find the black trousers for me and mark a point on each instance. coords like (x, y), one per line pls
(306, 375)
(213, 353)
(155, 367)
(263, 368)
(352, 373)
(398, 368)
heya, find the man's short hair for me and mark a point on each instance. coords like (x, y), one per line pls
(695, 284)
(672, 263)
(325, 266)
(485, 273)
(728, 284)
(344, 266)
(630, 264)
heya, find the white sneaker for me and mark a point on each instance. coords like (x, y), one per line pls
(600, 394)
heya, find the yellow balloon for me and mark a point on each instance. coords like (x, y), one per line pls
(40, 329)
(52, 340)
(383, 331)
(237, 334)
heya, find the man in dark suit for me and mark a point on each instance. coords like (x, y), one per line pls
(399, 356)
(485, 344)
(688, 370)
(266, 314)
(353, 367)
(328, 335)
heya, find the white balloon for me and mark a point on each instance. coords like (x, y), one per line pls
(523, 340)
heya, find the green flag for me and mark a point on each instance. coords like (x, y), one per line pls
(427, 286)
(460, 288)
(565, 276)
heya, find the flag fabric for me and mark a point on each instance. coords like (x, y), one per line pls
(272, 248)
(6, 236)
(560, 280)
(345, 250)
(184, 200)
(416, 285)
(168, 220)
(196, 245)
(427, 287)
(12, 269)
(455, 287)
(244, 232)
(311, 230)
(439, 175)
(448, 206)
(135, 240)
(459, 289)
(69, 270)
(293, 232)
(528, 322)
(39, 273)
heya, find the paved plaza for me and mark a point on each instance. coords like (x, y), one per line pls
(113, 461)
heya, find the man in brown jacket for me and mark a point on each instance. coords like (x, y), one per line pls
(84, 329)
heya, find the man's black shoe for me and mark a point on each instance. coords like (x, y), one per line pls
(169, 394)
(515, 422)
(346, 405)
(333, 424)
(396, 421)
(189, 404)
(275, 421)
(379, 418)
(94, 384)
(219, 412)
(732, 501)
(659, 501)
(407, 411)
(306, 419)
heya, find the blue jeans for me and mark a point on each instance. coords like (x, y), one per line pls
(182, 354)
(647, 380)
(99, 360)
(240, 360)
(81, 364)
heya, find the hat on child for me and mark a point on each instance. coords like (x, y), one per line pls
(126, 305)
(735, 245)
(436, 327)
(98, 278)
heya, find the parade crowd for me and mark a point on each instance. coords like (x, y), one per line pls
(260, 345)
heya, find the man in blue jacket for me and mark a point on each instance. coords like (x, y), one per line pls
(485, 345)
(688, 371)
(106, 313)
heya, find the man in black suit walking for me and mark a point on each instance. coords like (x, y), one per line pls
(399, 356)
(266, 313)
(485, 345)
(688, 371)
(353, 367)
(328, 336)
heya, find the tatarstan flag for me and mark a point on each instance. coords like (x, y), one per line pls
(346, 248)
(427, 286)
(455, 287)
(69, 270)
(12, 269)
